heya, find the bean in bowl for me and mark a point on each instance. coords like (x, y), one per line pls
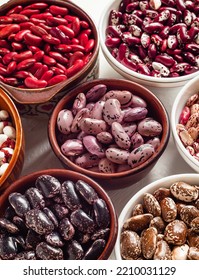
(7, 140)
(55, 219)
(187, 128)
(164, 225)
(155, 38)
(108, 130)
(42, 44)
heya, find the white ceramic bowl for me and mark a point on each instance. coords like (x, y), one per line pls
(186, 91)
(126, 72)
(137, 198)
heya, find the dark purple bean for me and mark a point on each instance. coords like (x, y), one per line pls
(35, 198)
(32, 239)
(74, 251)
(38, 221)
(47, 252)
(29, 255)
(48, 185)
(82, 221)
(5, 224)
(8, 247)
(86, 191)
(69, 195)
(66, 229)
(54, 239)
(60, 210)
(95, 250)
(19, 203)
(51, 216)
(101, 212)
(100, 234)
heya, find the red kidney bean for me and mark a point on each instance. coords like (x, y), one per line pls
(11, 81)
(58, 57)
(18, 18)
(54, 21)
(40, 6)
(6, 31)
(23, 55)
(51, 40)
(49, 60)
(57, 10)
(25, 64)
(38, 55)
(33, 49)
(76, 67)
(5, 19)
(57, 79)
(41, 16)
(90, 45)
(3, 71)
(40, 71)
(38, 31)
(4, 44)
(83, 39)
(44, 26)
(34, 83)
(20, 35)
(63, 48)
(61, 66)
(25, 25)
(37, 21)
(75, 25)
(56, 70)
(57, 33)
(165, 59)
(15, 10)
(22, 74)
(17, 46)
(29, 12)
(4, 51)
(11, 67)
(32, 39)
(47, 75)
(67, 31)
(76, 55)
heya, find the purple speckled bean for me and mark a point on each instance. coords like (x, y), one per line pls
(123, 96)
(64, 121)
(149, 127)
(96, 92)
(130, 129)
(79, 103)
(81, 135)
(112, 111)
(155, 142)
(97, 110)
(83, 113)
(138, 102)
(117, 155)
(106, 166)
(72, 147)
(137, 140)
(92, 126)
(93, 146)
(121, 137)
(90, 106)
(140, 155)
(104, 137)
(135, 114)
(87, 160)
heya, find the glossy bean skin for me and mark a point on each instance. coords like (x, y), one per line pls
(140, 155)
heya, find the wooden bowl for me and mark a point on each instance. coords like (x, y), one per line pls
(41, 101)
(15, 166)
(22, 184)
(124, 178)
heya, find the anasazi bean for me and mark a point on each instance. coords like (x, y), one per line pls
(49, 35)
(7, 140)
(162, 35)
(162, 226)
(76, 226)
(188, 125)
(108, 130)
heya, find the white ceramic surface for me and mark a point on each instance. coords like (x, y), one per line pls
(189, 89)
(137, 198)
(126, 72)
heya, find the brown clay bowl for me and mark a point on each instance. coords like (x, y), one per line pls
(15, 166)
(22, 184)
(43, 95)
(124, 178)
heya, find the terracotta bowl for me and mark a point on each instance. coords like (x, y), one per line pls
(40, 101)
(15, 166)
(22, 184)
(166, 182)
(124, 178)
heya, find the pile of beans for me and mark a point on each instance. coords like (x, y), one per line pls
(164, 226)
(108, 130)
(42, 45)
(187, 128)
(7, 140)
(55, 220)
(158, 38)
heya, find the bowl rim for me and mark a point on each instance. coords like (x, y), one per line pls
(163, 182)
(30, 96)
(19, 136)
(187, 156)
(70, 164)
(123, 69)
(24, 180)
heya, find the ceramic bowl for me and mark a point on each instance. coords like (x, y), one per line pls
(16, 163)
(155, 82)
(124, 178)
(40, 101)
(22, 184)
(187, 91)
(166, 182)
